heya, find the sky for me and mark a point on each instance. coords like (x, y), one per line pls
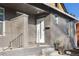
(73, 8)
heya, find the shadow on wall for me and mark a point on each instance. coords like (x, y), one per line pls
(69, 43)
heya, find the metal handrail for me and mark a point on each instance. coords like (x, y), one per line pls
(18, 39)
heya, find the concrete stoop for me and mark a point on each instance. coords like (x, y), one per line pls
(22, 52)
(50, 52)
(38, 51)
(47, 51)
(55, 53)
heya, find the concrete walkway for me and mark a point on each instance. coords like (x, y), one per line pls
(55, 53)
(31, 52)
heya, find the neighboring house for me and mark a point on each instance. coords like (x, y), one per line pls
(34, 25)
(60, 6)
(77, 33)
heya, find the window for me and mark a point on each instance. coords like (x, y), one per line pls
(2, 21)
(56, 18)
(65, 29)
(71, 29)
(56, 5)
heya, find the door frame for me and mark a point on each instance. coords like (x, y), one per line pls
(40, 20)
(76, 35)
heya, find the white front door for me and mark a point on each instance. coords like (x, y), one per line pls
(40, 31)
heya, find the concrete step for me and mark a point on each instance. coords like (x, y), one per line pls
(36, 51)
(50, 52)
(54, 53)
(23, 52)
(44, 45)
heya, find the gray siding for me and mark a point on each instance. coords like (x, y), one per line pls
(13, 28)
(47, 31)
(22, 24)
(32, 30)
(58, 31)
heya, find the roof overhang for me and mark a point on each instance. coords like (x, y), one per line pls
(23, 7)
(35, 8)
(47, 7)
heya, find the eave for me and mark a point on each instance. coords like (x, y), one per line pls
(47, 7)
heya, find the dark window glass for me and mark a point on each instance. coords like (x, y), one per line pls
(1, 14)
(1, 17)
(55, 4)
(1, 28)
(1, 21)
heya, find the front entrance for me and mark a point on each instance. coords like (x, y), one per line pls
(40, 31)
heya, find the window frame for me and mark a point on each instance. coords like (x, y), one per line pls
(56, 19)
(3, 22)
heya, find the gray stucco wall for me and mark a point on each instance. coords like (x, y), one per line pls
(58, 31)
(27, 25)
(14, 28)
(55, 31)
(32, 30)
(52, 30)
(17, 24)
(47, 31)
